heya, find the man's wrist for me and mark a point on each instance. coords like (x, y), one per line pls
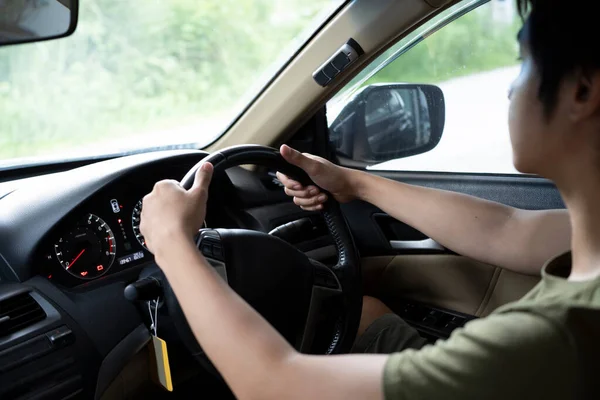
(357, 181)
(172, 247)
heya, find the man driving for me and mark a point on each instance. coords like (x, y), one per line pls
(542, 346)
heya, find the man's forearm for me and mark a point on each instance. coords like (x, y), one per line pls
(480, 229)
(254, 359)
(240, 343)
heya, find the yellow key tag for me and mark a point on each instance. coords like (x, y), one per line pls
(159, 360)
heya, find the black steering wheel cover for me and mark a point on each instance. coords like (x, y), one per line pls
(248, 154)
(349, 274)
(347, 269)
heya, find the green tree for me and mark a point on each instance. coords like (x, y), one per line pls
(475, 42)
(137, 66)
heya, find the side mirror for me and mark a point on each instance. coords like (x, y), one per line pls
(23, 21)
(388, 121)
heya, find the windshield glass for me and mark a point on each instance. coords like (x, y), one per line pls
(168, 74)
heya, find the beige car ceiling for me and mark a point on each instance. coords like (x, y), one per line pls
(293, 96)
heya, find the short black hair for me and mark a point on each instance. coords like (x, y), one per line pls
(562, 37)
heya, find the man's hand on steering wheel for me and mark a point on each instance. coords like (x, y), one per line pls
(170, 212)
(338, 181)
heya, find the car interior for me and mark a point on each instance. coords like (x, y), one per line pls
(79, 290)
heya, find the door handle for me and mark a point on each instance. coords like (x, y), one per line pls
(425, 244)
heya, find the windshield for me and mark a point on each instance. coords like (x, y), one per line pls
(168, 74)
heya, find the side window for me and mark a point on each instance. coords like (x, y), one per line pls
(469, 52)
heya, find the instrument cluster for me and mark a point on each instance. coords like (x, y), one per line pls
(101, 236)
(101, 239)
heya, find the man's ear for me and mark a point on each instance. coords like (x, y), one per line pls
(586, 99)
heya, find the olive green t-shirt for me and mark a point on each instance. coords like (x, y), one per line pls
(544, 346)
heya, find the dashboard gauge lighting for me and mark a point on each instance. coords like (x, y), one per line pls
(88, 250)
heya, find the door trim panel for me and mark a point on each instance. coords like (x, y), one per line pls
(447, 281)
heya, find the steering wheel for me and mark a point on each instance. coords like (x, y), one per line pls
(280, 282)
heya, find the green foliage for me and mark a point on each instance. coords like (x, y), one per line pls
(134, 67)
(476, 42)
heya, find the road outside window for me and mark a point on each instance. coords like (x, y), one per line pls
(473, 60)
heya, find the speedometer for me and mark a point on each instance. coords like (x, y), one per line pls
(88, 250)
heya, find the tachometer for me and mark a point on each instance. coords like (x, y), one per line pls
(136, 217)
(88, 250)
(135, 223)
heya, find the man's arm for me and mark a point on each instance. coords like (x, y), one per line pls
(255, 360)
(520, 240)
(510, 355)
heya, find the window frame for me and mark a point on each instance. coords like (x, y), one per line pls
(413, 38)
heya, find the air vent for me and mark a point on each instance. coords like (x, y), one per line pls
(19, 312)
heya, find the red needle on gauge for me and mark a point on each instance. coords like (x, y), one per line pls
(76, 258)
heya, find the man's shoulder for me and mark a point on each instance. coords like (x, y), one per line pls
(504, 355)
(514, 333)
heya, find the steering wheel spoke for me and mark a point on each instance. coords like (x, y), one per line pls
(325, 302)
(209, 244)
